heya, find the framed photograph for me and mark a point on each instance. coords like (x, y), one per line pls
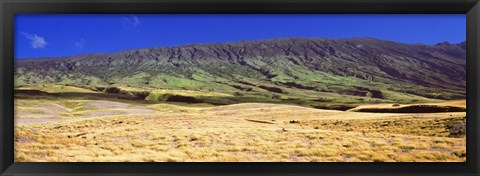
(224, 87)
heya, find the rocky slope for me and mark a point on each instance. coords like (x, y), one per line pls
(358, 67)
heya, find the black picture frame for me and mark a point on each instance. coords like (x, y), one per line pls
(9, 8)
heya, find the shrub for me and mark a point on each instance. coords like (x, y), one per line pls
(294, 121)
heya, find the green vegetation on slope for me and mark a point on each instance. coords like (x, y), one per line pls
(310, 72)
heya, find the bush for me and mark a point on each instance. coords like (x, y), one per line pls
(294, 121)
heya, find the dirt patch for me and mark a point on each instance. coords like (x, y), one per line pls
(34, 121)
(105, 105)
(42, 110)
(109, 108)
(52, 108)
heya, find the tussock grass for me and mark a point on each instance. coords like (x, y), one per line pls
(173, 133)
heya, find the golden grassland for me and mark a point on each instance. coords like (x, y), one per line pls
(67, 130)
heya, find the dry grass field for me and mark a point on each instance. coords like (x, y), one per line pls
(103, 130)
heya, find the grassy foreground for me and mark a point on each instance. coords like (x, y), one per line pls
(121, 130)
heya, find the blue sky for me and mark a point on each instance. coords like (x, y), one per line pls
(67, 35)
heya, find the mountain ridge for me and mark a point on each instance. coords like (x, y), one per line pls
(281, 67)
(228, 42)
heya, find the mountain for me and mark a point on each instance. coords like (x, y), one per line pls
(289, 68)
